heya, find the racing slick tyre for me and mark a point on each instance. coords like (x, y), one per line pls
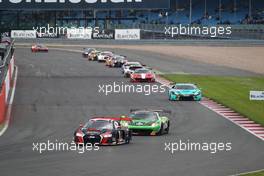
(128, 138)
(161, 130)
(168, 128)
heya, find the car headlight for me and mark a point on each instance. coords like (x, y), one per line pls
(107, 135)
(154, 124)
(175, 92)
(197, 93)
(79, 134)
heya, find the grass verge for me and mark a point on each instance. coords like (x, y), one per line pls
(261, 173)
(229, 91)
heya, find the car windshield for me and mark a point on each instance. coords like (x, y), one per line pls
(106, 53)
(185, 87)
(99, 124)
(142, 71)
(88, 49)
(132, 63)
(134, 67)
(144, 116)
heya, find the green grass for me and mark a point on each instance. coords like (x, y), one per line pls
(230, 91)
(261, 173)
(1, 126)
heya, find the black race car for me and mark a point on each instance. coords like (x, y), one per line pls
(118, 61)
(104, 131)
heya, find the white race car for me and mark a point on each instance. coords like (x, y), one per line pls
(127, 64)
(104, 55)
(131, 69)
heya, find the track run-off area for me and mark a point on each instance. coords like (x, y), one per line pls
(59, 89)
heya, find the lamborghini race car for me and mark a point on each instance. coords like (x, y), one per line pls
(86, 52)
(185, 91)
(104, 55)
(104, 131)
(39, 48)
(142, 75)
(131, 69)
(149, 122)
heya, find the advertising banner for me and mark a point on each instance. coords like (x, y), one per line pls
(79, 33)
(127, 34)
(256, 95)
(27, 34)
(104, 34)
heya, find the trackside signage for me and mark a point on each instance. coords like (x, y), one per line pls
(83, 4)
(256, 95)
(79, 33)
(127, 34)
(23, 34)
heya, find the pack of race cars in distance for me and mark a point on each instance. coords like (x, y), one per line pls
(119, 130)
(138, 72)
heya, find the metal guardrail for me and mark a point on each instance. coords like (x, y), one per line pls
(5, 62)
(8, 55)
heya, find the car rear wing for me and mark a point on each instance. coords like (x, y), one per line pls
(113, 118)
(153, 110)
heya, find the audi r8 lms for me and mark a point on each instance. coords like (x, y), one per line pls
(149, 122)
(185, 91)
(104, 55)
(104, 131)
(39, 48)
(142, 75)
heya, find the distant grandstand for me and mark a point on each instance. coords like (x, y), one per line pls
(144, 14)
(205, 12)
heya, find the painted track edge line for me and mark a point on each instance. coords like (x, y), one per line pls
(10, 103)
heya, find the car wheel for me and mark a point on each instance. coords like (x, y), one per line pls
(168, 128)
(161, 130)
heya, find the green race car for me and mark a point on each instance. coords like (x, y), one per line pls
(184, 91)
(149, 122)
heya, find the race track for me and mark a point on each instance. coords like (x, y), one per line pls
(58, 90)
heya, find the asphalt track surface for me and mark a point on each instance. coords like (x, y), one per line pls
(58, 90)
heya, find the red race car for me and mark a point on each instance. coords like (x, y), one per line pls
(104, 131)
(142, 75)
(39, 48)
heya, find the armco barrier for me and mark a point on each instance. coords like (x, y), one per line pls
(7, 74)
